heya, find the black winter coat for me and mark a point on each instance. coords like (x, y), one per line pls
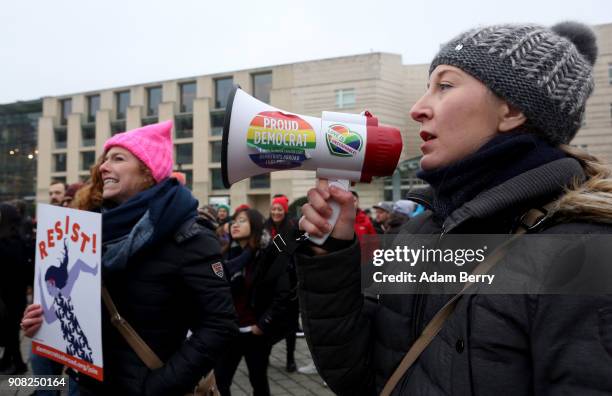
(271, 293)
(14, 277)
(490, 345)
(164, 292)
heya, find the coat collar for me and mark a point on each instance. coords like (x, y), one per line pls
(530, 188)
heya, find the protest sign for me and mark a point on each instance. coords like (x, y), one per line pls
(67, 284)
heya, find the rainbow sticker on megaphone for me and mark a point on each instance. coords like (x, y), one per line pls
(281, 140)
(342, 142)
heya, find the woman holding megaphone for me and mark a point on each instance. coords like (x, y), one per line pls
(502, 104)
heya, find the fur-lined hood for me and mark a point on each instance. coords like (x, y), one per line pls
(590, 200)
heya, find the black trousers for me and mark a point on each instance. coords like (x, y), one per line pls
(256, 352)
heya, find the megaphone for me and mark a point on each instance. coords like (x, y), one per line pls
(259, 138)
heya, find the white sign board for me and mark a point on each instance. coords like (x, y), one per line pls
(67, 286)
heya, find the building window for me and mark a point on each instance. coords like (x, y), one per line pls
(188, 94)
(216, 123)
(184, 153)
(610, 73)
(188, 178)
(262, 85)
(122, 100)
(60, 138)
(148, 121)
(59, 162)
(183, 126)
(93, 105)
(88, 136)
(117, 127)
(403, 180)
(66, 110)
(87, 159)
(219, 200)
(260, 181)
(223, 87)
(215, 151)
(216, 179)
(345, 98)
(154, 95)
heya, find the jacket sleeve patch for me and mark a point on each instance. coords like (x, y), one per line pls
(217, 269)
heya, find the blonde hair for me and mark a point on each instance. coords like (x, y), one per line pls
(590, 199)
(90, 196)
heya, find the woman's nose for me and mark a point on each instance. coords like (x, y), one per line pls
(104, 167)
(420, 111)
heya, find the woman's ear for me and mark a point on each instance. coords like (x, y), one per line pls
(510, 118)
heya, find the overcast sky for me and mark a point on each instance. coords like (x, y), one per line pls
(65, 46)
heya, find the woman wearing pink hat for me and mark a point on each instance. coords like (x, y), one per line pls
(161, 266)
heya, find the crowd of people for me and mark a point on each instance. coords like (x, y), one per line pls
(262, 281)
(171, 268)
(206, 286)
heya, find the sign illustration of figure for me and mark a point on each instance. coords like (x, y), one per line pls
(59, 282)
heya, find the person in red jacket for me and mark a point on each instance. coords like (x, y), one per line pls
(363, 224)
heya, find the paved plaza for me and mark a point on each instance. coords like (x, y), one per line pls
(281, 382)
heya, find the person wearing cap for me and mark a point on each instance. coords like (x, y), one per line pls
(382, 212)
(502, 105)
(161, 267)
(401, 213)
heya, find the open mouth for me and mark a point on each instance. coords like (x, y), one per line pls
(110, 181)
(426, 136)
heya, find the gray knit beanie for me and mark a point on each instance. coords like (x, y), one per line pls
(546, 73)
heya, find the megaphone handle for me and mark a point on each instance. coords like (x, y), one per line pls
(343, 184)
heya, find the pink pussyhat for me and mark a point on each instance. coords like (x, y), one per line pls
(152, 144)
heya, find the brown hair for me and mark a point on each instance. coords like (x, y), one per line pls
(89, 197)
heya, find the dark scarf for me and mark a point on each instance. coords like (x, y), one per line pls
(143, 220)
(502, 158)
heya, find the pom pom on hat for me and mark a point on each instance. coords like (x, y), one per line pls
(581, 35)
(151, 144)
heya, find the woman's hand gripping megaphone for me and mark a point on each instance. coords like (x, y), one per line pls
(330, 210)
